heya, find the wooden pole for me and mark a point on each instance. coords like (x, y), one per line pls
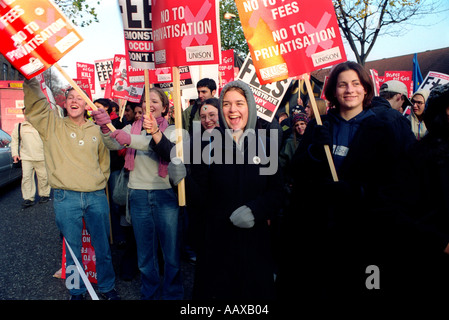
(319, 122)
(81, 92)
(147, 93)
(122, 108)
(178, 126)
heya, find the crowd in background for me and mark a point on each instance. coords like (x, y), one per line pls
(297, 232)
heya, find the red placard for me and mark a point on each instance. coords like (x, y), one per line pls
(404, 76)
(163, 78)
(119, 79)
(288, 38)
(34, 35)
(86, 71)
(85, 85)
(226, 68)
(87, 256)
(185, 32)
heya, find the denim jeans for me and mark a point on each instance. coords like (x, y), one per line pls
(70, 209)
(154, 216)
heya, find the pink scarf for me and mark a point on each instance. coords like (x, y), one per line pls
(136, 128)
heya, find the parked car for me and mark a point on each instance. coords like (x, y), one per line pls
(7, 172)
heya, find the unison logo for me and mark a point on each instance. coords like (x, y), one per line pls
(259, 147)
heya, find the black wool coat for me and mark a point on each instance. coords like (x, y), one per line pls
(233, 262)
(341, 228)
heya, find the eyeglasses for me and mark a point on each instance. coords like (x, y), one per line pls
(419, 103)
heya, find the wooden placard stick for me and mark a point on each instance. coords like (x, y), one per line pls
(319, 122)
(178, 126)
(147, 94)
(81, 92)
(122, 108)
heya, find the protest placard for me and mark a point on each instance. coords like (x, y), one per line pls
(434, 79)
(288, 38)
(163, 78)
(35, 35)
(375, 78)
(185, 32)
(104, 70)
(87, 256)
(268, 96)
(86, 71)
(137, 28)
(85, 85)
(404, 76)
(119, 79)
(226, 68)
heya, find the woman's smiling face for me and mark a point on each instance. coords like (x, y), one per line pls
(235, 109)
(350, 92)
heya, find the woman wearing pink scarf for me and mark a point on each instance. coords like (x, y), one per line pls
(152, 203)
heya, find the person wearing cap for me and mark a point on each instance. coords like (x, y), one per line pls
(395, 92)
(416, 116)
(389, 107)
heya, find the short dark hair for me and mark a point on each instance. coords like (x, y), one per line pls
(206, 82)
(435, 116)
(133, 105)
(388, 94)
(213, 102)
(364, 77)
(106, 103)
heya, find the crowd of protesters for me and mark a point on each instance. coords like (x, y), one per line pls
(380, 232)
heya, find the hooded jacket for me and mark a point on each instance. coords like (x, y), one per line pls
(252, 109)
(233, 262)
(75, 156)
(343, 133)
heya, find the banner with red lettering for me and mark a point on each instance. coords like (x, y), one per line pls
(137, 25)
(268, 96)
(288, 38)
(34, 35)
(404, 76)
(226, 68)
(86, 71)
(163, 78)
(185, 32)
(119, 79)
(87, 256)
(85, 85)
(104, 70)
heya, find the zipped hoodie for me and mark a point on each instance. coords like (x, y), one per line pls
(75, 156)
(343, 132)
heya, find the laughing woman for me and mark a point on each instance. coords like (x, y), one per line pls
(237, 200)
(152, 203)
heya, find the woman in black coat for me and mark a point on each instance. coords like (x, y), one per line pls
(238, 188)
(345, 233)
